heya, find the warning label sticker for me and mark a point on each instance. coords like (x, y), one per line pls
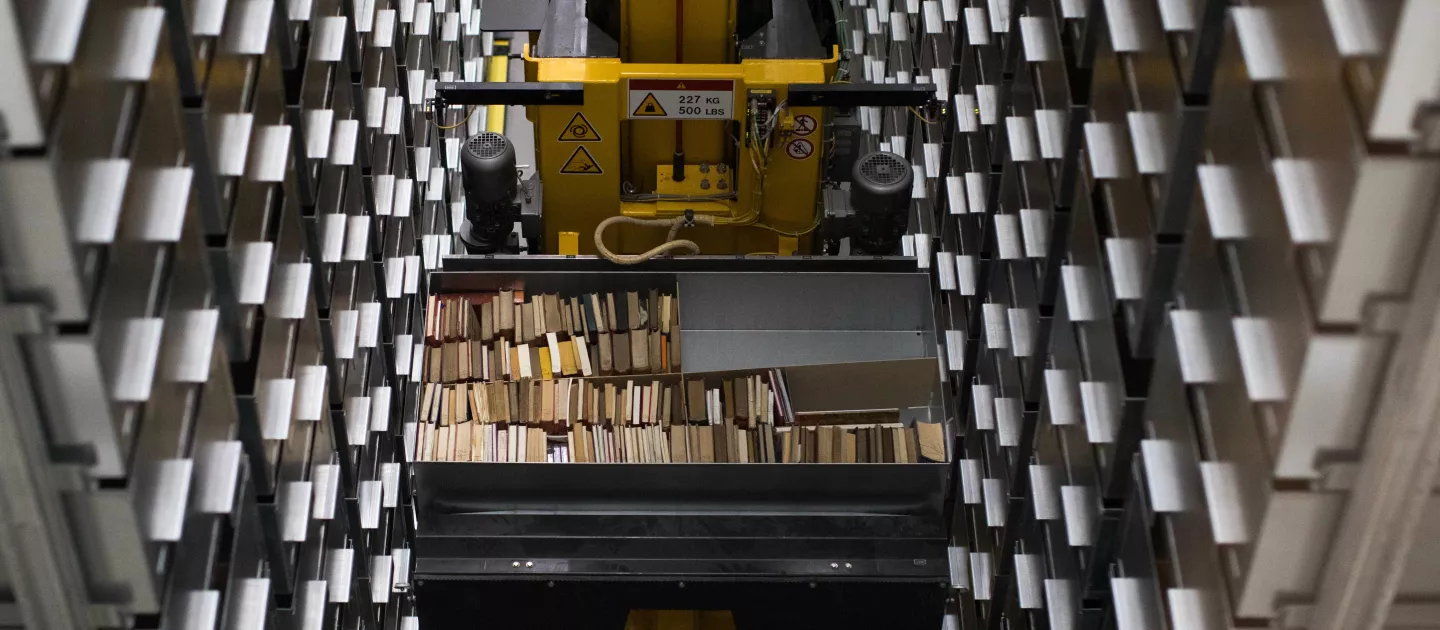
(581, 163)
(579, 130)
(682, 99)
(649, 106)
(799, 149)
(805, 125)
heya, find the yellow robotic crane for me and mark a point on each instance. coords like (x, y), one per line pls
(654, 114)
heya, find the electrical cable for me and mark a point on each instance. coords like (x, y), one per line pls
(462, 120)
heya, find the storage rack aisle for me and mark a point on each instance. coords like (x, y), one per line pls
(1166, 344)
(1180, 249)
(213, 222)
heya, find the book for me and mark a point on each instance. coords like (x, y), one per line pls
(621, 352)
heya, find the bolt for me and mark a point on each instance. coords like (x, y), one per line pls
(529, 565)
(722, 184)
(721, 168)
(515, 564)
(834, 565)
(682, 585)
(704, 168)
(704, 184)
(550, 584)
(847, 565)
(812, 585)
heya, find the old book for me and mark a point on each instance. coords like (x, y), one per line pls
(479, 409)
(847, 447)
(436, 365)
(487, 321)
(609, 403)
(547, 401)
(512, 398)
(723, 448)
(594, 314)
(525, 328)
(567, 357)
(482, 361)
(632, 310)
(666, 303)
(616, 311)
(627, 404)
(427, 395)
(674, 347)
(827, 445)
(622, 352)
(505, 312)
(554, 321)
(676, 439)
(706, 441)
(727, 388)
(656, 363)
(887, 445)
(666, 404)
(522, 358)
(462, 361)
(607, 355)
(442, 417)
(462, 441)
(640, 352)
(537, 311)
(785, 447)
(537, 403)
(494, 402)
(582, 356)
(535, 352)
(695, 396)
(577, 315)
(461, 401)
(743, 397)
(931, 437)
(542, 356)
(651, 309)
(562, 400)
(769, 430)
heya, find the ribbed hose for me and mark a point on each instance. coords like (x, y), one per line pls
(671, 243)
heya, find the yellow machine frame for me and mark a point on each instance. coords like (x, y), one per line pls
(775, 208)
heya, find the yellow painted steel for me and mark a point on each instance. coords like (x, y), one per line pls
(569, 244)
(498, 73)
(680, 620)
(648, 36)
(786, 204)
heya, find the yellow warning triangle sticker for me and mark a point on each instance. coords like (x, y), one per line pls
(579, 130)
(680, 86)
(649, 107)
(581, 163)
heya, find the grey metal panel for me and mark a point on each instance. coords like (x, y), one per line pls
(836, 302)
(716, 350)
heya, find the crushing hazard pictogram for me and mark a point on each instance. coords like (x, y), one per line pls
(649, 107)
(581, 163)
(579, 129)
(799, 149)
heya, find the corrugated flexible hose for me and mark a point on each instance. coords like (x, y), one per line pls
(670, 244)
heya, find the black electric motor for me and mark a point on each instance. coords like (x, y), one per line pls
(487, 167)
(880, 196)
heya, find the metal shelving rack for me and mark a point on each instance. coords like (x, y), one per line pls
(1182, 254)
(218, 272)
